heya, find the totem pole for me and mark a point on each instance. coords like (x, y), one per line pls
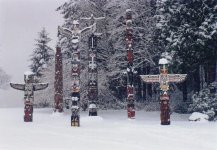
(130, 68)
(74, 35)
(92, 68)
(58, 84)
(29, 87)
(93, 80)
(164, 79)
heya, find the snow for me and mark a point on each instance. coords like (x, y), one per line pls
(27, 73)
(196, 116)
(128, 10)
(75, 40)
(110, 130)
(163, 61)
(75, 22)
(74, 107)
(92, 106)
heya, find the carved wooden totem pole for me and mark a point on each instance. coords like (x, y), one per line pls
(164, 79)
(92, 68)
(93, 80)
(29, 87)
(130, 68)
(58, 84)
(74, 35)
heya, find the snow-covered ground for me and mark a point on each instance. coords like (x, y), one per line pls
(110, 131)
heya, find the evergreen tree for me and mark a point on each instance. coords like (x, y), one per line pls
(42, 98)
(42, 53)
(205, 102)
(187, 30)
(4, 79)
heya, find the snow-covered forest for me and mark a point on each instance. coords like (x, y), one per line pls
(183, 31)
(170, 39)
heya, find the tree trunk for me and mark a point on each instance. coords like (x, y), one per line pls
(184, 91)
(216, 76)
(202, 76)
(196, 81)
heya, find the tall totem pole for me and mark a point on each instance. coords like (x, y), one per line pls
(164, 79)
(29, 87)
(92, 68)
(130, 68)
(74, 35)
(58, 84)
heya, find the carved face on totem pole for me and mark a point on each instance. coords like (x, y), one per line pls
(75, 25)
(75, 86)
(75, 37)
(29, 77)
(164, 79)
(75, 57)
(75, 69)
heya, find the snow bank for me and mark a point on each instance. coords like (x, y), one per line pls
(196, 116)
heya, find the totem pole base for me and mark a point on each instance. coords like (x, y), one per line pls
(165, 117)
(131, 114)
(27, 118)
(58, 109)
(58, 105)
(165, 123)
(92, 110)
(75, 121)
(28, 110)
(165, 110)
(93, 113)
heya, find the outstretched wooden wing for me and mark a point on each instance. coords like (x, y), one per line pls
(40, 86)
(88, 30)
(18, 86)
(176, 77)
(150, 78)
(64, 32)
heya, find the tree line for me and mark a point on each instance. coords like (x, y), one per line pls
(183, 31)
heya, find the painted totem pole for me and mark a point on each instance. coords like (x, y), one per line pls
(29, 87)
(92, 68)
(58, 84)
(164, 79)
(130, 68)
(74, 35)
(93, 80)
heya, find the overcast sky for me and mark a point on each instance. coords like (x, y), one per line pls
(20, 22)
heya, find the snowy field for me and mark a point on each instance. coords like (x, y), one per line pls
(110, 131)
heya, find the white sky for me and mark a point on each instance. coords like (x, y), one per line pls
(20, 22)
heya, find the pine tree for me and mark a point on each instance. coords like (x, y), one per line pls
(187, 30)
(4, 79)
(205, 102)
(42, 53)
(42, 98)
